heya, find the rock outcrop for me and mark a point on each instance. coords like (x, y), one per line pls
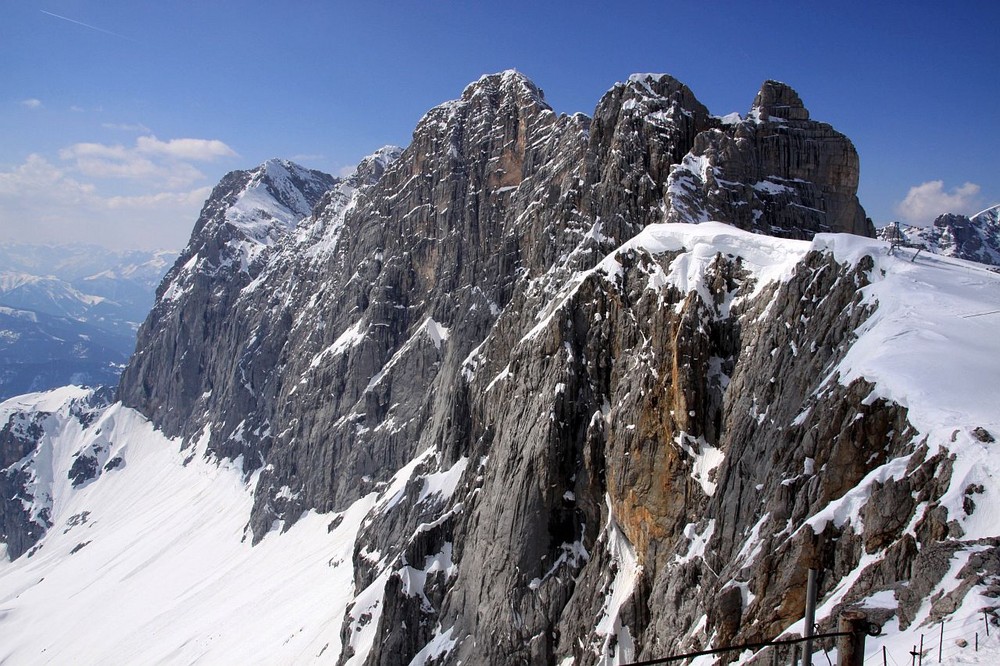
(587, 438)
(26, 492)
(776, 171)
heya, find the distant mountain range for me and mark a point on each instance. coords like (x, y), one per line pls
(976, 238)
(69, 313)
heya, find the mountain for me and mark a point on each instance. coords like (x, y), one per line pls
(509, 395)
(39, 351)
(975, 238)
(109, 289)
(74, 262)
(69, 314)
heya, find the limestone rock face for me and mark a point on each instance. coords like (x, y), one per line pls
(18, 439)
(172, 375)
(777, 100)
(579, 438)
(776, 171)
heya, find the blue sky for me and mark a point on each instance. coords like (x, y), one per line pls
(118, 117)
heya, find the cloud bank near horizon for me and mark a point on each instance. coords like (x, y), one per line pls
(157, 193)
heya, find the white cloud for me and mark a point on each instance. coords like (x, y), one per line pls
(201, 150)
(37, 177)
(95, 151)
(31, 103)
(41, 202)
(924, 202)
(147, 194)
(195, 197)
(96, 160)
(165, 164)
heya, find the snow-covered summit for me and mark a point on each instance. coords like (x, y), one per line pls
(276, 196)
(509, 81)
(247, 212)
(488, 91)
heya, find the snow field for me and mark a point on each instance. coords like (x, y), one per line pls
(166, 574)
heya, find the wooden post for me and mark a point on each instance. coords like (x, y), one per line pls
(807, 658)
(851, 648)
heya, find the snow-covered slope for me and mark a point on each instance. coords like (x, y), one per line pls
(151, 559)
(276, 197)
(251, 210)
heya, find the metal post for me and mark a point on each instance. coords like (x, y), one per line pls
(940, 642)
(795, 655)
(807, 658)
(851, 647)
(920, 659)
(986, 619)
(885, 658)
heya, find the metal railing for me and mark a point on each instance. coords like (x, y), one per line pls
(738, 648)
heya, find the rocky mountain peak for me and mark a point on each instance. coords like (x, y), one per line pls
(371, 168)
(975, 238)
(464, 326)
(319, 233)
(641, 129)
(508, 84)
(661, 85)
(295, 187)
(777, 100)
(658, 97)
(249, 211)
(778, 172)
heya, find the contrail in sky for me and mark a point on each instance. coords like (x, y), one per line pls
(87, 25)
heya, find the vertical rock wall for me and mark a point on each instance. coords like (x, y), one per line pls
(568, 432)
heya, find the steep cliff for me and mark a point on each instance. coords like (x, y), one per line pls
(577, 432)
(776, 171)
